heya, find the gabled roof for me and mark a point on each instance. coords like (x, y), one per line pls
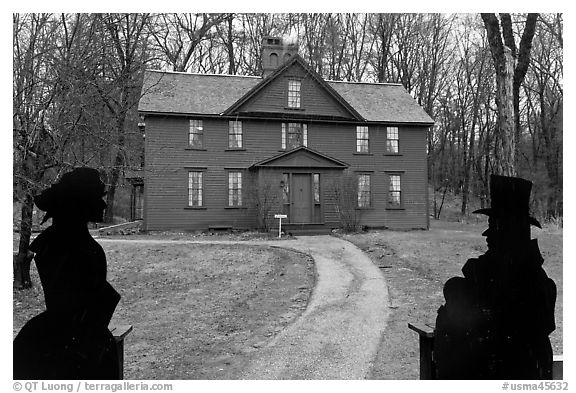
(279, 71)
(209, 94)
(387, 102)
(301, 157)
(184, 93)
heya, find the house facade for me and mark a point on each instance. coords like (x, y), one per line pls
(233, 151)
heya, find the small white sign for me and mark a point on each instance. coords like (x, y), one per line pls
(280, 216)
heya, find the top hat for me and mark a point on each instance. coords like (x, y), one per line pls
(509, 197)
(78, 189)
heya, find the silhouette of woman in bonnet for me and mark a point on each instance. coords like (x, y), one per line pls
(70, 340)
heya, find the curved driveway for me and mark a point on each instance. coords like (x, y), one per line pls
(338, 334)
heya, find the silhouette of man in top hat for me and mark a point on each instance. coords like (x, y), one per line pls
(496, 319)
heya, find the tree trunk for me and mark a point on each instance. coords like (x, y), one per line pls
(113, 178)
(230, 46)
(550, 130)
(117, 165)
(520, 73)
(442, 202)
(506, 138)
(23, 259)
(509, 77)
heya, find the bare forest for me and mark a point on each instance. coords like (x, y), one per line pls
(492, 83)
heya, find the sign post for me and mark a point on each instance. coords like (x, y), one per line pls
(280, 216)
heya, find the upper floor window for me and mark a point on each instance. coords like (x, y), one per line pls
(362, 139)
(196, 134)
(294, 93)
(294, 135)
(392, 140)
(394, 191)
(235, 134)
(364, 190)
(234, 188)
(195, 188)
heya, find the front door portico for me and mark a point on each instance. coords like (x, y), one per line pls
(300, 173)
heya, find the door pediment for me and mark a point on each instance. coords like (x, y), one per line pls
(301, 157)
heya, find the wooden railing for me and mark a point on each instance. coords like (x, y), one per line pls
(428, 366)
(120, 332)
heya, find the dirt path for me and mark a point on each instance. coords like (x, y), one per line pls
(338, 335)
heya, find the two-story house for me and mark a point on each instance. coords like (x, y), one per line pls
(224, 150)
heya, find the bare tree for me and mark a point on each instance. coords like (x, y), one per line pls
(383, 27)
(119, 84)
(511, 65)
(344, 192)
(262, 196)
(35, 87)
(177, 36)
(544, 106)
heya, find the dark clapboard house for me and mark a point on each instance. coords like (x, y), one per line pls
(217, 144)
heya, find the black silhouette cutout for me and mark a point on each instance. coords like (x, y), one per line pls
(497, 318)
(70, 340)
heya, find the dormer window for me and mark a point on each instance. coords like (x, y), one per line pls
(294, 93)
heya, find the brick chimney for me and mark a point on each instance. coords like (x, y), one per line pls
(275, 53)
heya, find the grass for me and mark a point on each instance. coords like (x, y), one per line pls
(199, 311)
(416, 264)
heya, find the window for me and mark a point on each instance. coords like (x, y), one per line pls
(235, 134)
(294, 135)
(392, 140)
(316, 184)
(394, 191)
(363, 190)
(234, 188)
(285, 188)
(293, 93)
(195, 189)
(196, 134)
(362, 145)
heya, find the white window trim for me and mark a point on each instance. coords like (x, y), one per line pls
(358, 139)
(196, 127)
(361, 192)
(395, 131)
(231, 175)
(234, 129)
(285, 135)
(392, 190)
(294, 93)
(200, 189)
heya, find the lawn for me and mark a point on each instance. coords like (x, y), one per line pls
(416, 264)
(199, 311)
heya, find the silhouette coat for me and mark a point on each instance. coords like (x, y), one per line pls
(496, 321)
(70, 339)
